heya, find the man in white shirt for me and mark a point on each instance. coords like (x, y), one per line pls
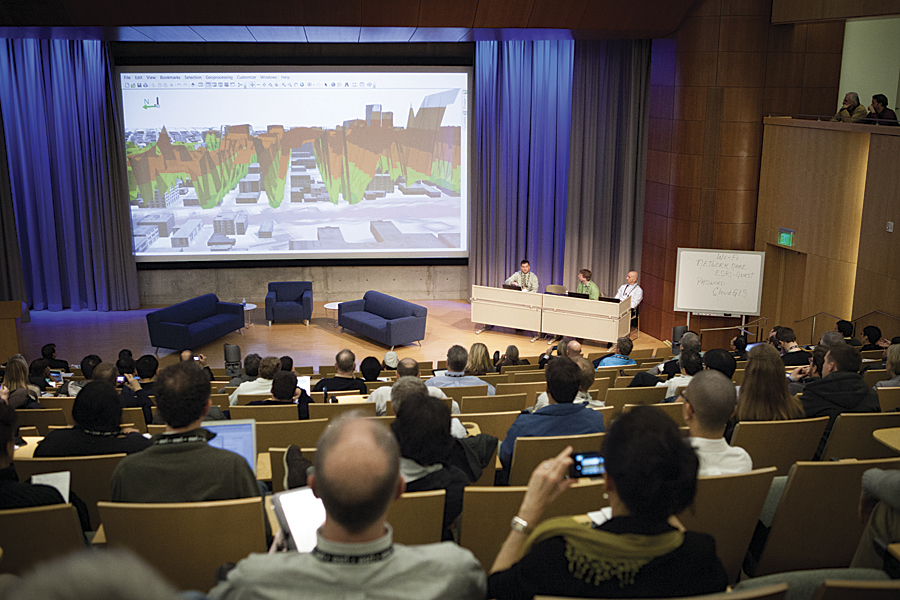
(524, 278)
(709, 402)
(631, 290)
(690, 364)
(262, 384)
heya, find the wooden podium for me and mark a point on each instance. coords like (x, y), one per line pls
(10, 336)
(506, 308)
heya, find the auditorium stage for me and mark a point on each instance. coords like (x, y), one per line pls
(77, 334)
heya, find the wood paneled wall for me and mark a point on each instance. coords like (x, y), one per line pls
(794, 11)
(711, 85)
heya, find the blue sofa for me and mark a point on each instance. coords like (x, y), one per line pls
(383, 318)
(288, 300)
(194, 322)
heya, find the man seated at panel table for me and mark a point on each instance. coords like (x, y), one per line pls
(524, 278)
(180, 466)
(561, 417)
(457, 357)
(357, 476)
(586, 286)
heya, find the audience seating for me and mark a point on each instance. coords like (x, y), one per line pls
(498, 403)
(623, 381)
(770, 592)
(155, 429)
(194, 322)
(489, 473)
(871, 354)
(727, 507)
(533, 389)
(458, 393)
(29, 431)
(873, 376)
(493, 423)
(642, 353)
(511, 368)
(261, 413)
(673, 409)
(619, 397)
(834, 589)
(220, 400)
(804, 585)
(816, 523)
(385, 420)
(494, 378)
(33, 535)
(487, 512)
(371, 386)
(90, 476)
(600, 386)
(330, 411)
(417, 517)
(244, 399)
(738, 377)
(64, 403)
(289, 300)
(888, 398)
(779, 444)
(527, 377)
(41, 418)
(851, 436)
(135, 416)
(529, 452)
(280, 434)
(187, 541)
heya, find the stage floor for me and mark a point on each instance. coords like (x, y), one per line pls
(77, 334)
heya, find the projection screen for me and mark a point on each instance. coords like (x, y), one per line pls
(237, 164)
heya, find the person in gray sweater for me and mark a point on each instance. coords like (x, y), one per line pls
(879, 510)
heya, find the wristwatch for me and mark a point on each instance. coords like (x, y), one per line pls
(521, 525)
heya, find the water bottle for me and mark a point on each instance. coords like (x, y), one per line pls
(244, 303)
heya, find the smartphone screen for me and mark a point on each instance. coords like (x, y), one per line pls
(302, 514)
(587, 464)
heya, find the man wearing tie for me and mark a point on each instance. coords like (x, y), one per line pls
(631, 290)
(524, 278)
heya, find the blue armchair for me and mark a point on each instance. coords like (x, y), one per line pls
(288, 300)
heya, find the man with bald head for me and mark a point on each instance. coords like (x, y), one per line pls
(709, 402)
(630, 289)
(357, 476)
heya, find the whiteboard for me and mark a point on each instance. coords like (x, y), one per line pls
(725, 282)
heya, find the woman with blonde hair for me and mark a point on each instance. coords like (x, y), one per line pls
(479, 360)
(764, 391)
(892, 364)
(21, 393)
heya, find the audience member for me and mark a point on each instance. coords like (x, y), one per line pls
(879, 512)
(620, 354)
(511, 357)
(840, 390)
(390, 360)
(97, 414)
(892, 365)
(879, 113)
(285, 391)
(370, 367)
(14, 494)
(791, 353)
(287, 363)
(479, 360)
(845, 328)
(690, 342)
(851, 110)
(180, 466)
(49, 352)
(200, 359)
(39, 373)
(250, 372)
(457, 357)
(126, 364)
(22, 394)
(739, 347)
(800, 376)
(574, 349)
(588, 376)
(764, 391)
(106, 372)
(873, 339)
(832, 338)
(137, 393)
(422, 429)
(262, 384)
(344, 378)
(690, 363)
(709, 403)
(719, 359)
(560, 417)
(651, 474)
(357, 475)
(88, 364)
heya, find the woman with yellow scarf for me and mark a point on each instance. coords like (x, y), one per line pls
(651, 474)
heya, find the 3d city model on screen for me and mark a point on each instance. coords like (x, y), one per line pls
(254, 165)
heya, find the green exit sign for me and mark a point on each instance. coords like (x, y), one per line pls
(785, 236)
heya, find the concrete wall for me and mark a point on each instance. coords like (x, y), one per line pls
(330, 284)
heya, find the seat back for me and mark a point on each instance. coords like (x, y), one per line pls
(888, 398)
(851, 436)
(727, 507)
(531, 388)
(65, 403)
(284, 412)
(41, 418)
(553, 288)
(776, 591)
(286, 291)
(244, 399)
(494, 378)
(89, 480)
(135, 416)
(779, 444)
(834, 589)
(187, 541)
(487, 512)
(816, 524)
(281, 434)
(529, 452)
(619, 397)
(599, 388)
(493, 423)
(499, 403)
(458, 393)
(641, 353)
(675, 410)
(417, 517)
(371, 386)
(33, 535)
(527, 377)
(330, 411)
(512, 368)
(220, 400)
(873, 376)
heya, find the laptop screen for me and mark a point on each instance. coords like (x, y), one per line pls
(238, 436)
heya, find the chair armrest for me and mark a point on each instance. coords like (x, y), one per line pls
(165, 334)
(270, 306)
(229, 307)
(351, 306)
(307, 301)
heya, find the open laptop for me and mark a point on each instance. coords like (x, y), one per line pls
(577, 295)
(238, 436)
(509, 286)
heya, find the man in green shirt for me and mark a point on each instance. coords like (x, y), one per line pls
(586, 286)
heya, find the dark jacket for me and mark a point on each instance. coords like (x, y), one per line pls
(77, 442)
(837, 393)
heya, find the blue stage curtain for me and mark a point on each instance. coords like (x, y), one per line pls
(66, 170)
(523, 107)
